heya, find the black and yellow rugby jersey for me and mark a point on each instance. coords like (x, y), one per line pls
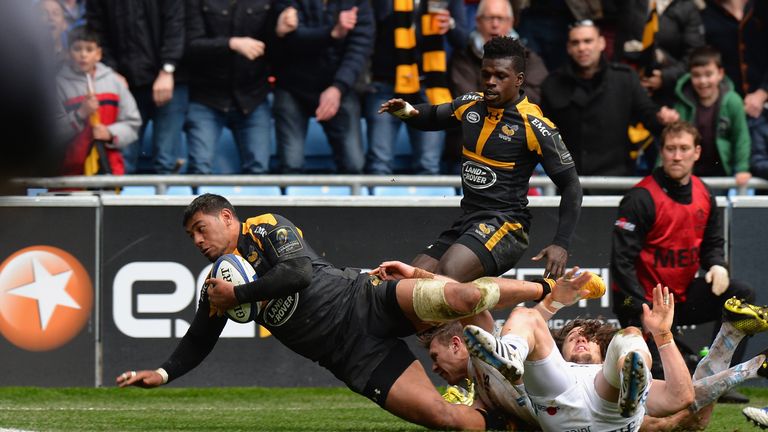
(501, 148)
(268, 239)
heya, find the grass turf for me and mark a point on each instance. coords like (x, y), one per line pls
(231, 409)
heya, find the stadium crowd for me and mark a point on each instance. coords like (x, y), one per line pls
(612, 79)
(264, 68)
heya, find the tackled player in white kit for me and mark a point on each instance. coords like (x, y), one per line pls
(584, 388)
(486, 387)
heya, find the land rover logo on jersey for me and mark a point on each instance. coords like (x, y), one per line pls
(473, 117)
(279, 311)
(477, 176)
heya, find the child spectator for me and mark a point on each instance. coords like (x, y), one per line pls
(706, 98)
(106, 113)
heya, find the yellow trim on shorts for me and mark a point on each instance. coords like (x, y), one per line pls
(507, 227)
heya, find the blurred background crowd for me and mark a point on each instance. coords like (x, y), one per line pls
(294, 85)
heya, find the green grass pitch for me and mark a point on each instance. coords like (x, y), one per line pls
(231, 409)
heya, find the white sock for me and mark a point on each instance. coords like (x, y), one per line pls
(709, 388)
(519, 343)
(720, 353)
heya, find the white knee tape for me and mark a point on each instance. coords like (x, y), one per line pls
(430, 305)
(620, 345)
(429, 301)
(489, 294)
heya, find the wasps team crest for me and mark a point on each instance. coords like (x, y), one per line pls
(509, 130)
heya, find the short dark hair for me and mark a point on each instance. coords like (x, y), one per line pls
(208, 204)
(82, 34)
(506, 47)
(443, 333)
(679, 127)
(595, 330)
(704, 55)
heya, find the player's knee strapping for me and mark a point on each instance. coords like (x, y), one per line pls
(621, 344)
(430, 304)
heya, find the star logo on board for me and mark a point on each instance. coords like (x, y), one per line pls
(46, 297)
(48, 290)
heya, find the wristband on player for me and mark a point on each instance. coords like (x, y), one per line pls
(163, 374)
(556, 305)
(547, 285)
(663, 338)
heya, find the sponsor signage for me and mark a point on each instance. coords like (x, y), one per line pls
(47, 292)
(148, 283)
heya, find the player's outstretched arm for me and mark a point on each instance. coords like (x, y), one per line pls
(142, 378)
(398, 108)
(676, 391)
(396, 270)
(569, 289)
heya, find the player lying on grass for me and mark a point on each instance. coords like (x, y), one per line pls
(364, 316)
(486, 387)
(588, 386)
(712, 377)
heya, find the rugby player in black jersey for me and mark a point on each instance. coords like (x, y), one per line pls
(504, 137)
(349, 322)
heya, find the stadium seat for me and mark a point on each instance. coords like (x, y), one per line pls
(36, 191)
(228, 191)
(414, 191)
(403, 157)
(321, 191)
(318, 155)
(137, 190)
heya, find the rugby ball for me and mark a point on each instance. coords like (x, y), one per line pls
(235, 269)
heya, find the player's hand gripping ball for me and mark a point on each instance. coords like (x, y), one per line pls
(236, 270)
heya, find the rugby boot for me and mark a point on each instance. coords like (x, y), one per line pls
(459, 395)
(634, 378)
(746, 317)
(502, 356)
(758, 416)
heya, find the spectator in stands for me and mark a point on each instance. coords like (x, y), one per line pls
(54, 17)
(705, 98)
(544, 25)
(668, 228)
(34, 125)
(228, 70)
(106, 112)
(321, 52)
(737, 28)
(144, 42)
(592, 102)
(74, 12)
(679, 30)
(759, 158)
(382, 131)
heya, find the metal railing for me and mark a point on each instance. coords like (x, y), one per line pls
(355, 182)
